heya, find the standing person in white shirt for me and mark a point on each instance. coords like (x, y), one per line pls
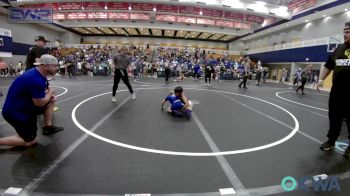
(19, 67)
(315, 80)
(133, 69)
(62, 68)
(145, 69)
(79, 68)
(284, 75)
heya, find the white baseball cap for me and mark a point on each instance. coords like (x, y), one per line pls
(46, 59)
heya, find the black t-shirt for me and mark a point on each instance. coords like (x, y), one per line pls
(208, 69)
(339, 62)
(34, 52)
(304, 75)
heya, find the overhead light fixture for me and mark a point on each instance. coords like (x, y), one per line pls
(306, 20)
(324, 15)
(82, 8)
(280, 11)
(154, 9)
(130, 8)
(258, 6)
(344, 10)
(262, 3)
(106, 8)
(208, 2)
(200, 13)
(233, 4)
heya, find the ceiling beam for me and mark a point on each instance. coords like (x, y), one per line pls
(210, 36)
(87, 30)
(221, 37)
(137, 30)
(125, 31)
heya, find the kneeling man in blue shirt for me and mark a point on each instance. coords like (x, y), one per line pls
(28, 96)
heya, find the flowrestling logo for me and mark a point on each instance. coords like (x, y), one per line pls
(343, 62)
(30, 15)
(319, 183)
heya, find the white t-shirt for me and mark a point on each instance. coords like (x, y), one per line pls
(132, 66)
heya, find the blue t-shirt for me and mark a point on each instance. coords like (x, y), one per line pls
(171, 98)
(196, 68)
(212, 62)
(176, 103)
(19, 103)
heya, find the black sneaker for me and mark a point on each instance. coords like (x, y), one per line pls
(48, 130)
(327, 146)
(347, 153)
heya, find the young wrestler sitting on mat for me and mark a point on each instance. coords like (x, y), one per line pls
(180, 104)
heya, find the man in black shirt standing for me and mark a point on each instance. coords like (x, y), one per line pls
(36, 51)
(339, 98)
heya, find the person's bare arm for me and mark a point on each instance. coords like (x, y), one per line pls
(185, 101)
(324, 73)
(164, 101)
(50, 94)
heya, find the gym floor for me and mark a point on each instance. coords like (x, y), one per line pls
(240, 140)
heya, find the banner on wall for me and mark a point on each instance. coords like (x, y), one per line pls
(30, 15)
(167, 8)
(254, 18)
(168, 18)
(297, 6)
(53, 6)
(5, 43)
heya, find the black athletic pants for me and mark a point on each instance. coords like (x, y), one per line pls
(303, 82)
(196, 75)
(258, 77)
(244, 82)
(207, 77)
(167, 74)
(339, 110)
(121, 74)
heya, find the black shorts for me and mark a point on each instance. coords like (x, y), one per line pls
(25, 129)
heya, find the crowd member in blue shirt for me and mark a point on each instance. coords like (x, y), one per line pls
(30, 95)
(196, 70)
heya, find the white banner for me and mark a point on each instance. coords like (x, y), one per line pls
(5, 32)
